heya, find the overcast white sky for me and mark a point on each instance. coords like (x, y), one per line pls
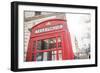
(78, 28)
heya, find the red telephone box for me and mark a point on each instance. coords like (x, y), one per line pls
(50, 40)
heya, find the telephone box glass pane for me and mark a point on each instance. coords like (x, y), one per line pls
(39, 56)
(52, 43)
(60, 54)
(42, 44)
(46, 44)
(54, 55)
(59, 42)
(44, 56)
(47, 56)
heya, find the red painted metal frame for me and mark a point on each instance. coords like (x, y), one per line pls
(67, 52)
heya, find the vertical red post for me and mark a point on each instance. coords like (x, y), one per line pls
(35, 50)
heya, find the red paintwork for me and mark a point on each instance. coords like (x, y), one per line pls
(67, 52)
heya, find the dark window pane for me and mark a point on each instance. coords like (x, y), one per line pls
(52, 43)
(46, 44)
(42, 44)
(43, 56)
(53, 55)
(59, 42)
(60, 54)
(32, 57)
(39, 45)
(49, 57)
(39, 57)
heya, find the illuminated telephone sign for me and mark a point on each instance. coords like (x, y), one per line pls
(49, 28)
(50, 40)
